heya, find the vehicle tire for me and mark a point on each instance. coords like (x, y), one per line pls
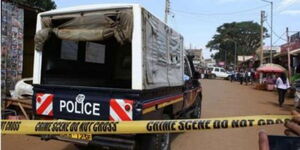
(197, 109)
(160, 141)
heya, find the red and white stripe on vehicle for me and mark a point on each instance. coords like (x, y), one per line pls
(161, 103)
(44, 104)
(120, 110)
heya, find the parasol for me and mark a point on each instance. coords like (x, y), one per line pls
(271, 68)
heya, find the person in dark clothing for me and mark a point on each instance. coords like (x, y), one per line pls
(242, 77)
(232, 76)
(247, 77)
(252, 77)
(282, 84)
(298, 69)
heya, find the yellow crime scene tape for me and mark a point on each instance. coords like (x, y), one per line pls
(136, 127)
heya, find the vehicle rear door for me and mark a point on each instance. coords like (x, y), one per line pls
(80, 104)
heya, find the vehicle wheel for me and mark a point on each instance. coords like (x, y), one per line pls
(160, 141)
(197, 110)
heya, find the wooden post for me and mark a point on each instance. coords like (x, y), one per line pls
(262, 16)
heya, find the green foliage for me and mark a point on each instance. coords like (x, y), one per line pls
(295, 77)
(42, 4)
(245, 34)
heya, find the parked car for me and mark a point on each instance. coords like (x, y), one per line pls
(219, 72)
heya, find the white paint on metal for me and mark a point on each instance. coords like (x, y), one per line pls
(37, 65)
(137, 48)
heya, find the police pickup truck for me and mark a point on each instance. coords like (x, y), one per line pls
(113, 62)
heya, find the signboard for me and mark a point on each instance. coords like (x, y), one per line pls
(221, 63)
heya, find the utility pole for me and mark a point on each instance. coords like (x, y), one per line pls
(288, 52)
(235, 47)
(225, 59)
(271, 40)
(167, 10)
(262, 17)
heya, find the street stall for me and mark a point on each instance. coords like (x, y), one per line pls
(18, 21)
(269, 71)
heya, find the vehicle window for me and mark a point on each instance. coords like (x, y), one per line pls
(222, 70)
(86, 63)
(95, 53)
(187, 70)
(69, 50)
(217, 69)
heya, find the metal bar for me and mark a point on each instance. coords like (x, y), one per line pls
(23, 111)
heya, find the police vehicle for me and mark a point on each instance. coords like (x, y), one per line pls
(113, 62)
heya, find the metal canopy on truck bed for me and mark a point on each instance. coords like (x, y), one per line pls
(156, 49)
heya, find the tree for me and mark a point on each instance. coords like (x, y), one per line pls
(245, 34)
(42, 4)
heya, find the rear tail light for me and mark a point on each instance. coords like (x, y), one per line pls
(127, 107)
(121, 110)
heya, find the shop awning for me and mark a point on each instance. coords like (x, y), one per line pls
(295, 52)
(279, 55)
(276, 68)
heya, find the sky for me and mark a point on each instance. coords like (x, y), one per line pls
(197, 20)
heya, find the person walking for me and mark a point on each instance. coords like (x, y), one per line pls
(235, 75)
(247, 77)
(253, 77)
(242, 76)
(232, 76)
(282, 84)
(205, 74)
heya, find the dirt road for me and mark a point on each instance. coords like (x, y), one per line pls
(223, 99)
(220, 99)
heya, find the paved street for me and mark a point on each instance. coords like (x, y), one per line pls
(220, 99)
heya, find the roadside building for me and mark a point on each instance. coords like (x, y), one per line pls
(267, 51)
(198, 60)
(294, 50)
(209, 63)
(17, 43)
(243, 58)
(244, 62)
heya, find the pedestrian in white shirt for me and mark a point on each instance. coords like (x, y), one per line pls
(282, 84)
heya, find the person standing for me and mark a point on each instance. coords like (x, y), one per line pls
(242, 76)
(252, 77)
(247, 77)
(232, 76)
(282, 84)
